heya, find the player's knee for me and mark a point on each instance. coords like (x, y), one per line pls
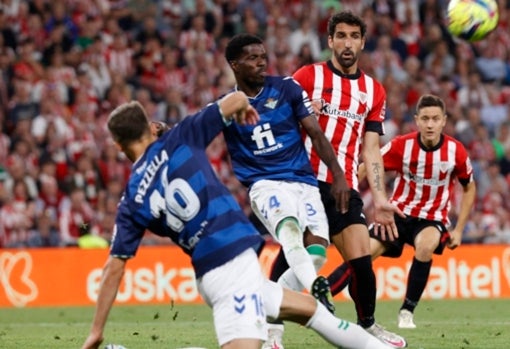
(318, 255)
(424, 251)
(289, 233)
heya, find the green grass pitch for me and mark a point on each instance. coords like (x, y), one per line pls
(448, 324)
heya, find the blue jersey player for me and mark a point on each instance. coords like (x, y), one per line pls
(174, 192)
(270, 159)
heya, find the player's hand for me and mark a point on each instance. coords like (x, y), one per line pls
(384, 221)
(247, 116)
(93, 341)
(455, 239)
(317, 106)
(341, 192)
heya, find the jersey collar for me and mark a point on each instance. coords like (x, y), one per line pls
(434, 148)
(354, 76)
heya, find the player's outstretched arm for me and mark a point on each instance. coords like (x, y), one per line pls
(110, 282)
(467, 201)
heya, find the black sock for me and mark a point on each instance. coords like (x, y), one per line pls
(339, 278)
(279, 267)
(416, 282)
(362, 289)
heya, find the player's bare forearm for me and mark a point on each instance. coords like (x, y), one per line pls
(110, 282)
(467, 202)
(374, 168)
(384, 220)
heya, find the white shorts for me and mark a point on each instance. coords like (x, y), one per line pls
(235, 293)
(273, 201)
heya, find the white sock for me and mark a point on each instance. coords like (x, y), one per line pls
(341, 332)
(290, 281)
(318, 255)
(275, 333)
(300, 262)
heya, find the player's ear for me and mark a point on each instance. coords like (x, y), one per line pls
(118, 146)
(234, 65)
(330, 42)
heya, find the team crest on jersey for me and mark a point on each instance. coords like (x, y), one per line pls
(444, 166)
(271, 103)
(363, 97)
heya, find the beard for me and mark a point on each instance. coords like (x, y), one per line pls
(346, 62)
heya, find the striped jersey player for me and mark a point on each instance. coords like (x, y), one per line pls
(427, 163)
(351, 105)
(426, 177)
(351, 109)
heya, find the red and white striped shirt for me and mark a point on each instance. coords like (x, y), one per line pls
(425, 178)
(351, 105)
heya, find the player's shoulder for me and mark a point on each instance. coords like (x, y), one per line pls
(282, 83)
(377, 84)
(308, 68)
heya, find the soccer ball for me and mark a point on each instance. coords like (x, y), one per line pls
(472, 20)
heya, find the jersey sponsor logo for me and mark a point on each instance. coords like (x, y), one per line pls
(271, 103)
(264, 139)
(334, 112)
(427, 181)
(150, 172)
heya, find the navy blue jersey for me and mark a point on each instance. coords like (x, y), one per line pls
(174, 192)
(273, 149)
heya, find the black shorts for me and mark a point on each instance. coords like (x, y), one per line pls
(408, 228)
(338, 221)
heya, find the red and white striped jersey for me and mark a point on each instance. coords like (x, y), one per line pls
(351, 105)
(120, 60)
(425, 180)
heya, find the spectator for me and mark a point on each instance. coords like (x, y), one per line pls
(17, 216)
(492, 67)
(305, 34)
(75, 212)
(71, 45)
(474, 93)
(172, 108)
(44, 233)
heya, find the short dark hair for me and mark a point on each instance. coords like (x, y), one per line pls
(128, 123)
(428, 100)
(235, 46)
(346, 17)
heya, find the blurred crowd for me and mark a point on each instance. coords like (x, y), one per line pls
(65, 64)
